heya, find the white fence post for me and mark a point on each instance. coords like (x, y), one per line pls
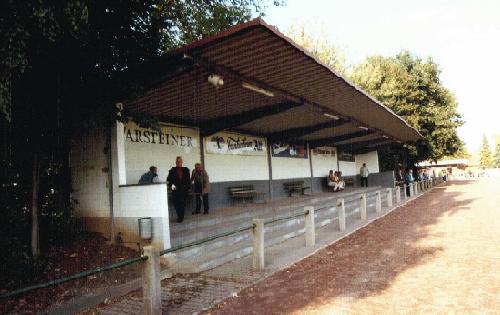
(258, 244)
(415, 184)
(341, 212)
(362, 206)
(151, 286)
(378, 202)
(309, 226)
(410, 185)
(397, 191)
(389, 197)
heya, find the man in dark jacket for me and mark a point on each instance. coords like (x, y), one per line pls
(179, 181)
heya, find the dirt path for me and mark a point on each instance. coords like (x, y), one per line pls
(438, 254)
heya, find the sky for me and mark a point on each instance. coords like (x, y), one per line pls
(462, 36)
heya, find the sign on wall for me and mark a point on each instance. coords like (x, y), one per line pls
(281, 149)
(168, 135)
(324, 151)
(232, 143)
(346, 156)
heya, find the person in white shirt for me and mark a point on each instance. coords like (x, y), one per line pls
(363, 171)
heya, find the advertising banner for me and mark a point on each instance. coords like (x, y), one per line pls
(281, 149)
(232, 143)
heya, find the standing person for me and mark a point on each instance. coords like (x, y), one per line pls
(408, 180)
(178, 178)
(201, 183)
(150, 177)
(363, 171)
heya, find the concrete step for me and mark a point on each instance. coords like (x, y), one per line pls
(220, 251)
(322, 217)
(188, 236)
(257, 210)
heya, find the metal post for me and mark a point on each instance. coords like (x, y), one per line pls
(310, 232)
(258, 244)
(341, 211)
(362, 206)
(397, 191)
(151, 286)
(389, 197)
(378, 202)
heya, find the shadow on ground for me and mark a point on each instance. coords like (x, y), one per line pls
(363, 264)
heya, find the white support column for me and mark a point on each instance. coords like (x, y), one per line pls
(151, 286)
(397, 191)
(310, 232)
(378, 202)
(411, 189)
(389, 197)
(258, 244)
(341, 212)
(362, 206)
(415, 188)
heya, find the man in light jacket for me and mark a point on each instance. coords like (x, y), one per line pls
(363, 171)
(201, 182)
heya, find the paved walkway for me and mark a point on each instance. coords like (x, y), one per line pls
(439, 254)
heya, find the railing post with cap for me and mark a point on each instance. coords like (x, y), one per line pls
(378, 202)
(310, 232)
(341, 212)
(389, 197)
(258, 244)
(362, 206)
(151, 286)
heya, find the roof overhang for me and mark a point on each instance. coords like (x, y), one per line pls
(272, 87)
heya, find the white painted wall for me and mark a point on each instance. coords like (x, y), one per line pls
(88, 163)
(146, 201)
(284, 167)
(348, 168)
(139, 156)
(371, 160)
(322, 164)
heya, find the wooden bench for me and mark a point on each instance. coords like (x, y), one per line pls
(349, 181)
(243, 193)
(297, 187)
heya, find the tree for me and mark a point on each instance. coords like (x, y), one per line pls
(61, 62)
(412, 88)
(485, 159)
(318, 46)
(496, 156)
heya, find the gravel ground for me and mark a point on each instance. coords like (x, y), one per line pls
(438, 254)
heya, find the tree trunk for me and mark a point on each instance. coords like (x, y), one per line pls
(35, 237)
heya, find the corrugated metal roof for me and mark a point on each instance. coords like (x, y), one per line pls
(257, 53)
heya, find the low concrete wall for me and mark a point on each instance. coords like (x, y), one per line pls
(383, 179)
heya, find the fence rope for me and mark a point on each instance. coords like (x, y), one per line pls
(75, 276)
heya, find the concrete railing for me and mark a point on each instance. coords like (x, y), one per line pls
(151, 266)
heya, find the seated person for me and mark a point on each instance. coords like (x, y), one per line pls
(335, 182)
(341, 182)
(331, 179)
(150, 177)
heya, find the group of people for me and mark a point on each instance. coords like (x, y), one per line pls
(181, 182)
(335, 181)
(408, 177)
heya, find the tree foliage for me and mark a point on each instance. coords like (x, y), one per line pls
(411, 87)
(496, 156)
(485, 158)
(318, 46)
(62, 62)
